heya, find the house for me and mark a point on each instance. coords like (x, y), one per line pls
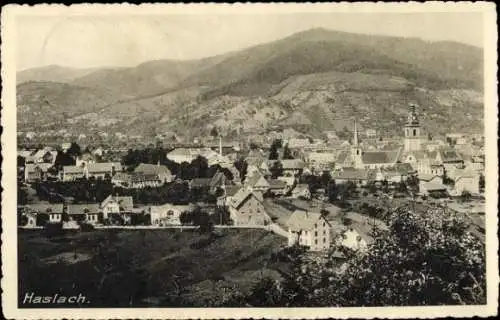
(71, 173)
(430, 178)
(246, 208)
(320, 161)
(400, 172)
(432, 188)
(301, 191)
(162, 172)
(354, 240)
(278, 187)
(360, 177)
(88, 212)
(226, 197)
(167, 214)
(30, 219)
(309, 229)
(54, 211)
(466, 181)
(291, 167)
(102, 170)
(257, 183)
(114, 204)
(36, 171)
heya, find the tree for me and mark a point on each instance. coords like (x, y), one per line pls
(402, 187)
(214, 132)
(276, 169)
(273, 152)
(465, 196)
(325, 179)
(74, 150)
(242, 166)
(425, 258)
(481, 182)
(287, 153)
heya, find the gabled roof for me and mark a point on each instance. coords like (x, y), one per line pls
(72, 169)
(30, 167)
(427, 177)
(104, 167)
(255, 179)
(83, 208)
(147, 168)
(126, 202)
(434, 186)
(239, 198)
(376, 157)
(232, 190)
(46, 207)
(303, 220)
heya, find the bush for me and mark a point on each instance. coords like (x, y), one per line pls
(86, 227)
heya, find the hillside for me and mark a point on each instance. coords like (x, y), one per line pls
(310, 82)
(141, 268)
(51, 74)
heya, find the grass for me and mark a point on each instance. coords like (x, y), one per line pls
(147, 267)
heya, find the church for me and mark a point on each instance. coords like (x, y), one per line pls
(413, 152)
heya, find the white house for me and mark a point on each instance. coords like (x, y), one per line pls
(309, 229)
(167, 214)
(114, 204)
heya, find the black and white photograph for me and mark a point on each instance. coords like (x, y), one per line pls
(237, 158)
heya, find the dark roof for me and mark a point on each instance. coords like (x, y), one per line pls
(83, 208)
(276, 184)
(46, 207)
(147, 168)
(380, 156)
(450, 155)
(232, 190)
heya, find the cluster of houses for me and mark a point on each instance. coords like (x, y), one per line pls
(244, 197)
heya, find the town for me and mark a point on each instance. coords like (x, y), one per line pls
(310, 191)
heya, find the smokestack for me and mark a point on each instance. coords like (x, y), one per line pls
(220, 145)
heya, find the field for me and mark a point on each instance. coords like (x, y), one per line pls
(140, 268)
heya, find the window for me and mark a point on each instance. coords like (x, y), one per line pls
(316, 241)
(324, 240)
(414, 132)
(324, 224)
(316, 233)
(324, 232)
(315, 225)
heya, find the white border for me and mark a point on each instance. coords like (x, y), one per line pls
(9, 238)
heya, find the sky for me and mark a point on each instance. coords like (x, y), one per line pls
(89, 41)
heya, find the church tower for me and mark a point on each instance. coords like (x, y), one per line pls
(356, 152)
(412, 131)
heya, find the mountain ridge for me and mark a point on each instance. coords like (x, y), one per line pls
(325, 74)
